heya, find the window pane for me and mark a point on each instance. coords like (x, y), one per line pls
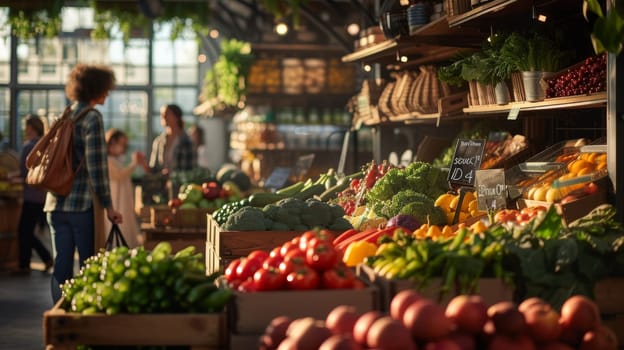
(5, 126)
(185, 52)
(5, 56)
(163, 76)
(186, 99)
(187, 75)
(127, 111)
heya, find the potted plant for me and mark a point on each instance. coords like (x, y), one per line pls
(534, 56)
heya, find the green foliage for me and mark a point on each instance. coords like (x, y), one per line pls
(224, 84)
(282, 9)
(417, 176)
(139, 281)
(608, 31)
(28, 23)
(531, 53)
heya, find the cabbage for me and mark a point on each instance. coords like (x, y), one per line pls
(406, 221)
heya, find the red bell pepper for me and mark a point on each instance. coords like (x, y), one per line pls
(348, 233)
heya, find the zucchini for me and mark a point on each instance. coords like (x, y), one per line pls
(333, 191)
(259, 200)
(310, 192)
(292, 189)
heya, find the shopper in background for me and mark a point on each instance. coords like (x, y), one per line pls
(32, 214)
(196, 133)
(172, 150)
(73, 218)
(122, 191)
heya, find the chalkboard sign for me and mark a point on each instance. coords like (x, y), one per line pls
(466, 159)
(278, 178)
(303, 165)
(491, 189)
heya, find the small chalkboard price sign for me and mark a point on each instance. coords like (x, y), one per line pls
(278, 178)
(491, 189)
(466, 160)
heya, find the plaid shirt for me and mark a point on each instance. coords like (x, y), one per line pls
(183, 153)
(92, 177)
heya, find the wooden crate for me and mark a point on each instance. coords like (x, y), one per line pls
(66, 330)
(225, 246)
(179, 238)
(609, 296)
(160, 216)
(250, 313)
(190, 218)
(492, 290)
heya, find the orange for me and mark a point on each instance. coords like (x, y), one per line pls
(601, 158)
(576, 165)
(585, 171)
(601, 166)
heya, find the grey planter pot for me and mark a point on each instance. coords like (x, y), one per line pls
(533, 90)
(502, 93)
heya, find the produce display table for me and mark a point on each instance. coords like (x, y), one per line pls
(66, 330)
(179, 238)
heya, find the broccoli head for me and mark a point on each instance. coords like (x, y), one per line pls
(278, 226)
(301, 227)
(425, 212)
(340, 224)
(270, 210)
(291, 203)
(268, 224)
(246, 219)
(287, 216)
(316, 213)
(336, 211)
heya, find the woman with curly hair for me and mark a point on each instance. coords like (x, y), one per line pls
(71, 217)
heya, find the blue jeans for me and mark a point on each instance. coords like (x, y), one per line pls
(69, 230)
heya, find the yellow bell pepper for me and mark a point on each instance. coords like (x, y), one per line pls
(358, 251)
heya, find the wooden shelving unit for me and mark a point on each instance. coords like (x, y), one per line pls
(482, 11)
(584, 101)
(433, 41)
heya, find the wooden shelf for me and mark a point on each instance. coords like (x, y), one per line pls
(434, 40)
(583, 101)
(481, 11)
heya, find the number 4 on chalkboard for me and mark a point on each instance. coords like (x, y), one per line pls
(469, 176)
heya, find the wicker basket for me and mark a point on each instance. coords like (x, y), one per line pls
(517, 87)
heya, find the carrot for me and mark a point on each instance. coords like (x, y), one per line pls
(348, 233)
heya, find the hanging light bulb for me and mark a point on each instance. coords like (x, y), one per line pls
(281, 28)
(214, 33)
(367, 68)
(353, 29)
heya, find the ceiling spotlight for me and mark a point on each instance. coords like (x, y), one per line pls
(281, 28)
(542, 18)
(214, 33)
(201, 58)
(403, 59)
(367, 68)
(353, 29)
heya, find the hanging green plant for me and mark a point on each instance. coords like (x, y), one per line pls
(192, 15)
(282, 9)
(35, 18)
(225, 83)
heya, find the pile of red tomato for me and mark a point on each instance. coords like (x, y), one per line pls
(520, 217)
(309, 261)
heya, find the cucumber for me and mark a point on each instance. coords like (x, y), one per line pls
(259, 200)
(292, 189)
(333, 191)
(310, 192)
